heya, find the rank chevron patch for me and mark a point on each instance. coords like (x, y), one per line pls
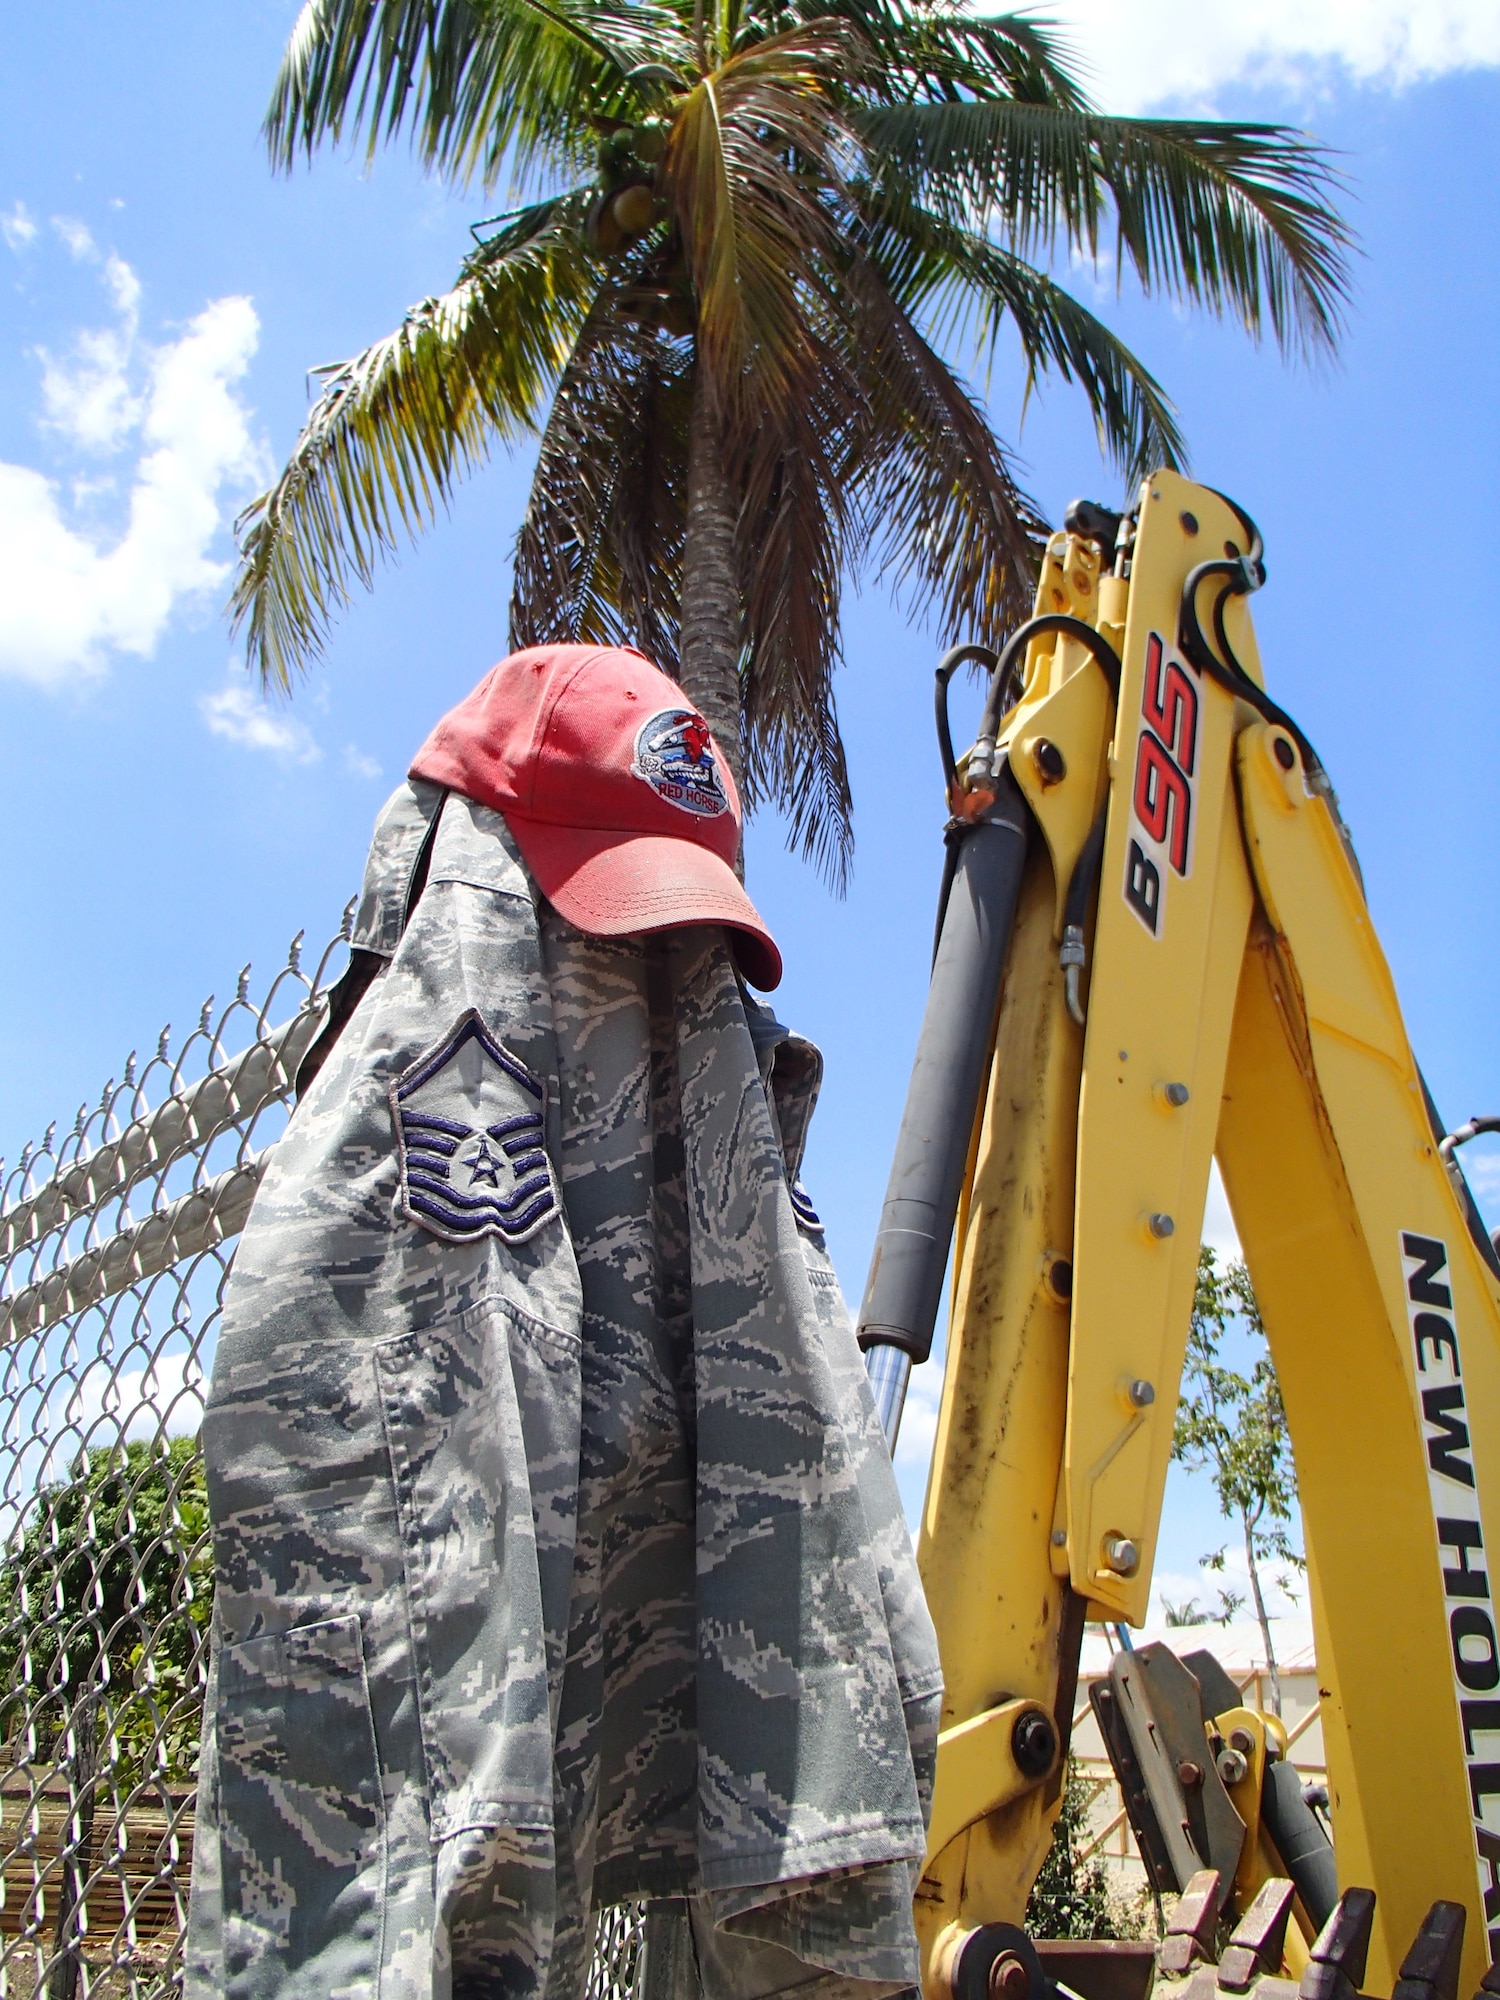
(807, 1216)
(470, 1140)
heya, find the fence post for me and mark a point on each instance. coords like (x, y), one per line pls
(74, 1844)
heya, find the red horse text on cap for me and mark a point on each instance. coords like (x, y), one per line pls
(674, 755)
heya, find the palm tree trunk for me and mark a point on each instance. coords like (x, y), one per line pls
(710, 647)
(1260, 1612)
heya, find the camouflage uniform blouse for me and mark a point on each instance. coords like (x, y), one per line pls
(559, 1559)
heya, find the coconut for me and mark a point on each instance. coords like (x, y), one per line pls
(633, 209)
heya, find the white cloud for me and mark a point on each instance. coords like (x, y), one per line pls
(241, 717)
(1187, 50)
(123, 286)
(89, 397)
(69, 595)
(17, 228)
(1181, 1588)
(356, 761)
(162, 1398)
(75, 235)
(1283, 1586)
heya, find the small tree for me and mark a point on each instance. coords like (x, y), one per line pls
(1070, 1896)
(1234, 1427)
(103, 1607)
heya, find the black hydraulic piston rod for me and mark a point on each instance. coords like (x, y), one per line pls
(905, 1285)
(987, 840)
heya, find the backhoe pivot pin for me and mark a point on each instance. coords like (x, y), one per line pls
(1051, 766)
(1009, 1979)
(1231, 1765)
(1033, 1743)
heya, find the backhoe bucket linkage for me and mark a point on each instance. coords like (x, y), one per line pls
(1196, 1960)
(1191, 1963)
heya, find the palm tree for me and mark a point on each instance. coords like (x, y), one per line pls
(749, 227)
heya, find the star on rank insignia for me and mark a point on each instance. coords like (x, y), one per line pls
(471, 1142)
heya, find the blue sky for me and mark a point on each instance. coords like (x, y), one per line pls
(162, 295)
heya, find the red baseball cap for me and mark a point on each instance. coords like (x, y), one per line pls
(615, 790)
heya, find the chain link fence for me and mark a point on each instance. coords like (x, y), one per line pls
(115, 1245)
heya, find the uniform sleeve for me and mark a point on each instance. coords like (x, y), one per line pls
(391, 1445)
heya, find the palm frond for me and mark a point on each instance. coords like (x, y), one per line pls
(650, 512)
(1237, 217)
(1232, 216)
(926, 52)
(960, 282)
(937, 498)
(791, 550)
(949, 55)
(1136, 424)
(752, 224)
(1028, 59)
(839, 187)
(599, 554)
(397, 427)
(476, 80)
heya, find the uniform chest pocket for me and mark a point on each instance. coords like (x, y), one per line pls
(302, 1847)
(482, 1423)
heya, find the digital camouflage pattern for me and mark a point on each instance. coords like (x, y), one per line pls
(558, 1564)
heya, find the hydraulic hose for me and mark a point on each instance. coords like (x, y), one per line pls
(1298, 1837)
(1485, 1242)
(1074, 954)
(982, 756)
(948, 665)
(1243, 574)
(1462, 1134)
(1006, 671)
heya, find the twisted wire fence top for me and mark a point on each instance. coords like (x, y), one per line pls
(103, 1202)
(116, 1241)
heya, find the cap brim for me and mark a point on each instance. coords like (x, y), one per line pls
(611, 884)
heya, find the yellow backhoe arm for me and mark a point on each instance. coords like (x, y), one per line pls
(1235, 1002)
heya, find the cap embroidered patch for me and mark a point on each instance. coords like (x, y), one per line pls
(675, 756)
(470, 1140)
